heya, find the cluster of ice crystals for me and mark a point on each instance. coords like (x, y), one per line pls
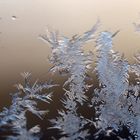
(24, 100)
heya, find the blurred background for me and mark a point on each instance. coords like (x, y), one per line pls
(22, 21)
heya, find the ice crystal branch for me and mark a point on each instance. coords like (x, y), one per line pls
(112, 70)
(22, 101)
(135, 68)
(115, 105)
(70, 125)
(68, 56)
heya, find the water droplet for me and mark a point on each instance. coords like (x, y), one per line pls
(14, 17)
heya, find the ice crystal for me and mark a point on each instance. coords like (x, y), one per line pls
(112, 73)
(22, 101)
(112, 69)
(70, 124)
(68, 56)
(115, 105)
(135, 68)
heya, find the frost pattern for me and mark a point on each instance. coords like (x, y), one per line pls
(117, 106)
(135, 68)
(115, 102)
(111, 67)
(68, 57)
(22, 101)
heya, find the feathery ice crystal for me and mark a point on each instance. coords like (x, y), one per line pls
(68, 56)
(117, 106)
(25, 99)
